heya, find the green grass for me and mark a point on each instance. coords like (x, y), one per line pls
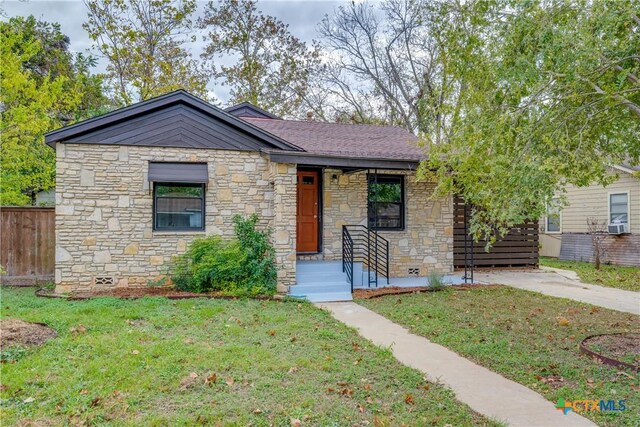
(122, 362)
(613, 276)
(519, 334)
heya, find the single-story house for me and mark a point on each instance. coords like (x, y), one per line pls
(135, 186)
(564, 231)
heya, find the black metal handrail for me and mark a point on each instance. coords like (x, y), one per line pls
(347, 255)
(361, 244)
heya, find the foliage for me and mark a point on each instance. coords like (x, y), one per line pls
(613, 276)
(539, 95)
(525, 336)
(272, 66)
(241, 266)
(44, 87)
(155, 361)
(435, 281)
(144, 42)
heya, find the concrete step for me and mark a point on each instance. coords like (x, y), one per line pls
(319, 287)
(310, 267)
(326, 297)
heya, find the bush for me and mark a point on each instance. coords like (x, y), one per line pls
(435, 281)
(243, 266)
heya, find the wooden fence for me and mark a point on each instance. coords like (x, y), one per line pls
(27, 249)
(519, 248)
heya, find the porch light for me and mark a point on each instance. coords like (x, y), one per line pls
(334, 179)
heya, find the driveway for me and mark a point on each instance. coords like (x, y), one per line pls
(564, 284)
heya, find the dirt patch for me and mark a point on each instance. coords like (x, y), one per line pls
(16, 332)
(621, 347)
(555, 381)
(396, 290)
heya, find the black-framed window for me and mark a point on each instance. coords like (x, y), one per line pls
(386, 202)
(178, 206)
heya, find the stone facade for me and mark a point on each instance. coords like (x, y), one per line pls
(425, 243)
(104, 224)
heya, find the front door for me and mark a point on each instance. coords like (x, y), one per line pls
(307, 217)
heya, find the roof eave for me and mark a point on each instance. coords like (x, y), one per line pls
(322, 160)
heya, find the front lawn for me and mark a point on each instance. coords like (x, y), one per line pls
(155, 361)
(525, 336)
(613, 276)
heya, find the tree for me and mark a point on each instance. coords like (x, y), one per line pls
(44, 87)
(541, 94)
(144, 42)
(272, 67)
(389, 53)
(597, 229)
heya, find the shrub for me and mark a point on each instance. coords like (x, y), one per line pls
(435, 281)
(241, 266)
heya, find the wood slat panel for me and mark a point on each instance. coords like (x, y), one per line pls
(28, 243)
(519, 248)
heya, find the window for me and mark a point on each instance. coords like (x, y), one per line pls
(553, 217)
(619, 208)
(386, 202)
(178, 206)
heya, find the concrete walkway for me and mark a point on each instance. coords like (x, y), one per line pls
(484, 391)
(564, 284)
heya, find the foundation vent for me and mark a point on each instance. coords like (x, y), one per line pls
(413, 271)
(104, 281)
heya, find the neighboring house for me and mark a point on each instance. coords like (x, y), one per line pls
(564, 232)
(46, 198)
(135, 186)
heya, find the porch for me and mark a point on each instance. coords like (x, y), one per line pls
(325, 281)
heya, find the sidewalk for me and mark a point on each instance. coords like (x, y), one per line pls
(564, 284)
(484, 391)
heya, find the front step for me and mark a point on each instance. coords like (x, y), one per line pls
(320, 281)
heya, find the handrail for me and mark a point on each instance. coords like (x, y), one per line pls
(360, 243)
(347, 255)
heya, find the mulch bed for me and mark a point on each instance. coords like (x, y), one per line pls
(151, 291)
(612, 347)
(17, 332)
(396, 290)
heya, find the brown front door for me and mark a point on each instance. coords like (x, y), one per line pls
(307, 218)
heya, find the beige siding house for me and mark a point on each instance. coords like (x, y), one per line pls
(564, 233)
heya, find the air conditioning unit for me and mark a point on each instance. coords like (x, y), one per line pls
(617, 228)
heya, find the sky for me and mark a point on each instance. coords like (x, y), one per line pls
(302, 16)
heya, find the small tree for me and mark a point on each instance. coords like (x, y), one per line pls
(597, 230)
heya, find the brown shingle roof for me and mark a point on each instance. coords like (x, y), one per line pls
(339, 139)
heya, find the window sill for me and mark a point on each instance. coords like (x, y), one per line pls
(178, 232)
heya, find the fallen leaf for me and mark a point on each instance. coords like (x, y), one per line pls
(211, 379)
(361, 409)
(562, 321)
(295, 422)
(426, 387)
(80, 329)
(293, 339)
(84, 391)
(272, 333)
(229, 381)
(367, 386)
(193, 375)
(3, 387)
(135, 352)
(355, 346)
(377, 422)
(95, 402)
(293, 370)
(257, 411)
(188, 341)
(369, 399)
(28, 400)
(346, 392)
(408, 399)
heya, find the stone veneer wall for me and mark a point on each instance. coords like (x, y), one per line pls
(104, 211)
(425, 243)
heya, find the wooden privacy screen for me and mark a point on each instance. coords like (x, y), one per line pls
(519, 248)
(27, 251)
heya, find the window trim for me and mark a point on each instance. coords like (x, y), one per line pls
(179, 229)
(403, 202)
(617, 193)
(546, 220)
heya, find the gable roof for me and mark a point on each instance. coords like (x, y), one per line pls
(247, 109)
(345, 140)
(177, 119)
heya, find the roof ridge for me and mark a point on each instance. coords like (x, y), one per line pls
(330, 123)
